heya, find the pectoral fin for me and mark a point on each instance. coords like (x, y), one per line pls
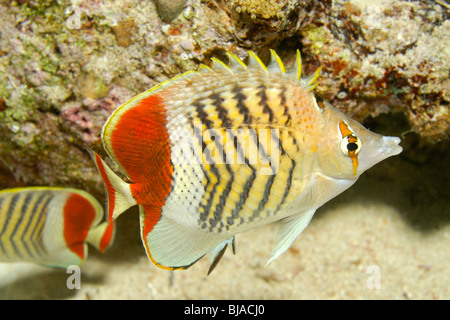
(290, 230)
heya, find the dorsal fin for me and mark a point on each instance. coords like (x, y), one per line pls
(235, 63)
(296, 71)
(203, 68)
(162, 85)
(276, 64)
(255, 62)
(219, 65)
(310, 81)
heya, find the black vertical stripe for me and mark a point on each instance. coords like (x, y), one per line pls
(25, 208)
(217, 102)
(1, 242)
(202, 115)
(263, 102)
(9, 214)
(278, 142)
(223, 197)
(198, 135)
(283, 100)
(288, 184)
(246, 188)
(260, 148)
(222, 113)
(240, 97)
(207, 207)
(243, 196)
(39, 227)
(218, 210)
(29, 232)
(265, 198)
(238, 148)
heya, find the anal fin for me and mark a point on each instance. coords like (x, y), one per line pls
(172, 244)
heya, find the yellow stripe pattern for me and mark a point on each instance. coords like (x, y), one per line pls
(22, 219)
(241, 132)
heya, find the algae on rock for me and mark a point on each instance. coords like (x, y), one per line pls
(66, 65)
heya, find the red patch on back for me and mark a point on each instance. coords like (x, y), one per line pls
(107, 237)
(141, 144)
(79, 214)
(109, 188)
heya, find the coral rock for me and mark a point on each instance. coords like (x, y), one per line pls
(169, 9)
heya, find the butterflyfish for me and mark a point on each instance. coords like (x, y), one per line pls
(51, 226)
(215, 152)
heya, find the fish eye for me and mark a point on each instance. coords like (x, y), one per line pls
(350, 145)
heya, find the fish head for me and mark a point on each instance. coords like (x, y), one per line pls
(346, 148)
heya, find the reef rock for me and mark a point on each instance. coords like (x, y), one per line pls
(66, 65)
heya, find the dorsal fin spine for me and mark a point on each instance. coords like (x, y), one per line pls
(255, 62)
(219, 65)
(298, 65)
(275, 62)
(203, 68)
(235, 62)
(310, 80)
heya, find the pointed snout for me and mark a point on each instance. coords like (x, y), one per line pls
(376, 150)
(390, 146)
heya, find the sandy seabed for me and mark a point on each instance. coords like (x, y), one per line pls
(385, 238)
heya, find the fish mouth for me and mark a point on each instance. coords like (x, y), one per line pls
(377, 151)
(390, 146)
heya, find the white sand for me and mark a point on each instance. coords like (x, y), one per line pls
(380, 225)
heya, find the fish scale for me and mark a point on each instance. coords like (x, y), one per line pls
(219, 151)
(226, 176)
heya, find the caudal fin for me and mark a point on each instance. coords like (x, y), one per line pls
(102, 236)
(119, 196)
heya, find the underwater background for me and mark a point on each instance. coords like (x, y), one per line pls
(66, 65)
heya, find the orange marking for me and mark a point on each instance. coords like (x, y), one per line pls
(79, 214)
(141, 144)
(345, 132)
(354, 163)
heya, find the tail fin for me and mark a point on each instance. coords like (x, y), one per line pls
(119, 196)
(102, 236)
